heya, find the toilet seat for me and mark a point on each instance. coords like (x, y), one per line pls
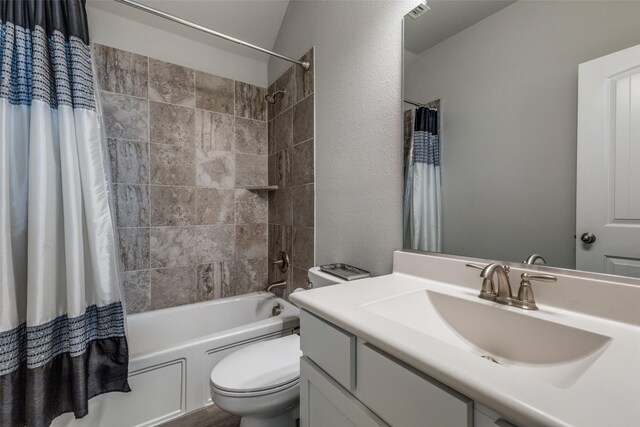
(264, 368)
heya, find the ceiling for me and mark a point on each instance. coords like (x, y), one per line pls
(446, 18)
(254, 21)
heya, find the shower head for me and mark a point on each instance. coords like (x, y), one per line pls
(271, 99)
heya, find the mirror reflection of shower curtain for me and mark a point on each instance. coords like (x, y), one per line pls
(423, 185)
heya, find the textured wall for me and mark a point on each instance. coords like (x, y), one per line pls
(291, 168)
(358, 74)
(509, 117)
(182, 145)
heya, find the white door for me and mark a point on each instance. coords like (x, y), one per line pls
(608, 169)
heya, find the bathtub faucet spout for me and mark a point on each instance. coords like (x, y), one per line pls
(280, 284)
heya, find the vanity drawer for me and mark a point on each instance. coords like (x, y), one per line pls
(331, 348)
(403, 396)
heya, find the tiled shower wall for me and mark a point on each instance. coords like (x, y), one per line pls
(291, 167)
(182, 145)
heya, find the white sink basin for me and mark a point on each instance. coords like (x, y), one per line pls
(551, 352)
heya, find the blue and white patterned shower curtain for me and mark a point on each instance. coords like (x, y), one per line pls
(423, 186)
(62, 336)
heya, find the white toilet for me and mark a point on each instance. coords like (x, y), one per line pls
(261, 382)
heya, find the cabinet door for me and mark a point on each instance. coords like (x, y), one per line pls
(405, 397)
(324, 403)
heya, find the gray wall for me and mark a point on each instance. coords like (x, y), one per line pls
(119, 31)
(508, 87)
(358, 124)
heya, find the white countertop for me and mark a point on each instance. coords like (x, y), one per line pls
(606, 394)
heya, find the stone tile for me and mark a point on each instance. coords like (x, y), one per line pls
(303, 197)
(213, 278)
(172, 124)
(287, 239)
(214, 131)
(303, 120)
(251, 207)
(171, 287)
(131, 205)
(129, 161)
(304, 78)
(120, 71)
(134, 248)
(250, 276)
(302, 163)
(125, 117)
(216, 243)
(214, 93)
(250, 102)
(275, 275)
(251, 241)
(137, 291)
(251, 136)
(172, 205)
(251, 170)
(280, 208)
(215, 168)
(172, 246)
(300, 278)
(171, 83)
(280, 168)
(172, 165)
(271, 137)
(287, 83)
(283, 131)
(275, 240)
(302, 253)
(215, 206)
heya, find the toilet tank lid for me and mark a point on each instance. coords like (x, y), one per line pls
(260, 366)
(319, 278)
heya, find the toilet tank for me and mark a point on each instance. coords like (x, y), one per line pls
(319, 278)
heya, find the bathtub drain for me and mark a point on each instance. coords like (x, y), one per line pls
(489, 358)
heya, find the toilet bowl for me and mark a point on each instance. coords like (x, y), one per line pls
(261, 382)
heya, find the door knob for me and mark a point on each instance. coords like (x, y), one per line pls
(588, 238)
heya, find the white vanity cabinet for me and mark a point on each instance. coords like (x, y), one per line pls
(345, 381)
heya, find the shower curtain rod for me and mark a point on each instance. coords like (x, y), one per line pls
(304, 64)
(417, 104)
(432, 105)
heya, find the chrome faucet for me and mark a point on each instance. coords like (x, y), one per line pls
(502, 292)
(535, 259)
(280, 284)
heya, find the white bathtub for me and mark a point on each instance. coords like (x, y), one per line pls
(172, 353)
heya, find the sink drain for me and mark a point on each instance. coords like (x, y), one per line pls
(489, 358)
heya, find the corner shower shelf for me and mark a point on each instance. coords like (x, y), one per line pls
(262, 188)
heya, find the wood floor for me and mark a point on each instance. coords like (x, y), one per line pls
(211, 416)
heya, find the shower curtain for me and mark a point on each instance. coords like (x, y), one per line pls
(423, 186)
(62, 336)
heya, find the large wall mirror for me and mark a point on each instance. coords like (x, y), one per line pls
(522, 132)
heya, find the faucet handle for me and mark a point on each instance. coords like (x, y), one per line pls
(538, 277)
(525, 298)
